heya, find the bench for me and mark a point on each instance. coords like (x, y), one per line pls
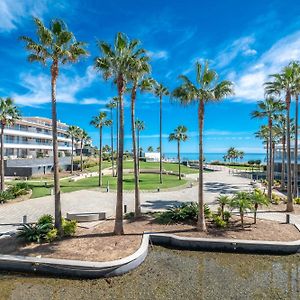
(86, 216)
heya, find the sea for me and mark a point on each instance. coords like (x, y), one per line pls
(209, 157)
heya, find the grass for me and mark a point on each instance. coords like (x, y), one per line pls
(127, 164)
(147, 182)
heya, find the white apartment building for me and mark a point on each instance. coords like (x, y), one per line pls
(31, 137)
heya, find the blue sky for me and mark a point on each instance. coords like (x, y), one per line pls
(244, 41)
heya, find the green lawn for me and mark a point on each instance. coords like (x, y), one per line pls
(127, 164)
(147, 182)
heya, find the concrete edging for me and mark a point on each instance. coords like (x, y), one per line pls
(90, 269)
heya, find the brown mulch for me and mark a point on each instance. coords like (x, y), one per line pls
(99, 244)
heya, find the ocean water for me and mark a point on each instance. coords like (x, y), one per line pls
(209, 157)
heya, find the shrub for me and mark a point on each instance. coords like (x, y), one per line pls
(51, 235)
(5, 196)
(276, 199)
(184, 212)
(227, 216)
(45, 219)
(219, 222)
(129, 216)
(23, 185)
(297, 200)
(69, 227)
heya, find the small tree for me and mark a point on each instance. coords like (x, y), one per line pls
(242, 202)
(257, 198)
(72, 133)
(150, 149)
(222, 201)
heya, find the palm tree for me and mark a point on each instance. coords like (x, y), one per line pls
(99, 122)
(223, 200)
(116, 63)
(83, 137)
(59, 46)
(257, 197)
(295, 65)
(159, 92)
(72, 133)
(140, 68)
(206, 89)
(111, 105)
(150, 149)
(9, 113)
(241, 201)
(284, 83)
(269, 108)
(179, 135)
(280, 128)
(140, 126)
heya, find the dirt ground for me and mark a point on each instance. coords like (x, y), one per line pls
(99, 244)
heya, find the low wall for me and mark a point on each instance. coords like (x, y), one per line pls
(89, 269)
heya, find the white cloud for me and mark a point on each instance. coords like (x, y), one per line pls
(249, 82)
(162, 54)
(241, 46)
(13, 12)
(88, 101)
(39, 87)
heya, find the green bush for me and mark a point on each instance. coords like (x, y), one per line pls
(297, 200)
(5, 196)
(276, 199)
(129, 216)
(219, 222)
(184, 212)
(46, 219)
(69, 227)
(51, 235)
(227, 216)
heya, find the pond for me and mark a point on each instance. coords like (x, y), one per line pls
(173, 274)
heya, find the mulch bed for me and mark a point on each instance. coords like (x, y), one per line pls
(99, 244)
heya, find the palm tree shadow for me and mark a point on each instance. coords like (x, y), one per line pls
(161, 204)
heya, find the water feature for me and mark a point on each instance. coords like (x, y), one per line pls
(173, 274)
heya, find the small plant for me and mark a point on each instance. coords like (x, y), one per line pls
(297, 200)
(129, 216)
(6, 196)
(223, 200)
(45, 219)
(226, 216)
(257, 198)
(219, 222)
(276, 199)
(51, 235)
(69, 227)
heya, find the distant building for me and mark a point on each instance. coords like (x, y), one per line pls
(31, 137)
(152, 156)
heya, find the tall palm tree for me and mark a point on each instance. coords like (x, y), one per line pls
(72, 133)
(115, 63)
(284, 83)
(150, 149)
(99, 122)
(179, 135)
(207, 88)
(269, 108)
(112, 105)
(140, 67)
(58, 46)
(295, 65)
(159, 92)
(140, 126)
(83, 137)
(9, 113)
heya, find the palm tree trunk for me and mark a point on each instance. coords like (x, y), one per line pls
(118, 229)
(81, 160)
(118, 135)
(160, 139)
(273, 162)
(283, 162)
(270, 184)
(201, 226)
(138, 146)
(2, 158)
(289, 206)
(112, 142)
(255, 212)
(100, 157)
(58, 220)
(137, 211)
(296, 150)
(242, 218)
(178, 151)
(72, 156)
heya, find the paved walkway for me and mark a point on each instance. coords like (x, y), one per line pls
(94, 200)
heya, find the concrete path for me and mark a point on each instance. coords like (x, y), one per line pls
(94, 200)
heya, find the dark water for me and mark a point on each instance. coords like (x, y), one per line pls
(173, 274)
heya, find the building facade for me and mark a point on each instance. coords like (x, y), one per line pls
(31, 137)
